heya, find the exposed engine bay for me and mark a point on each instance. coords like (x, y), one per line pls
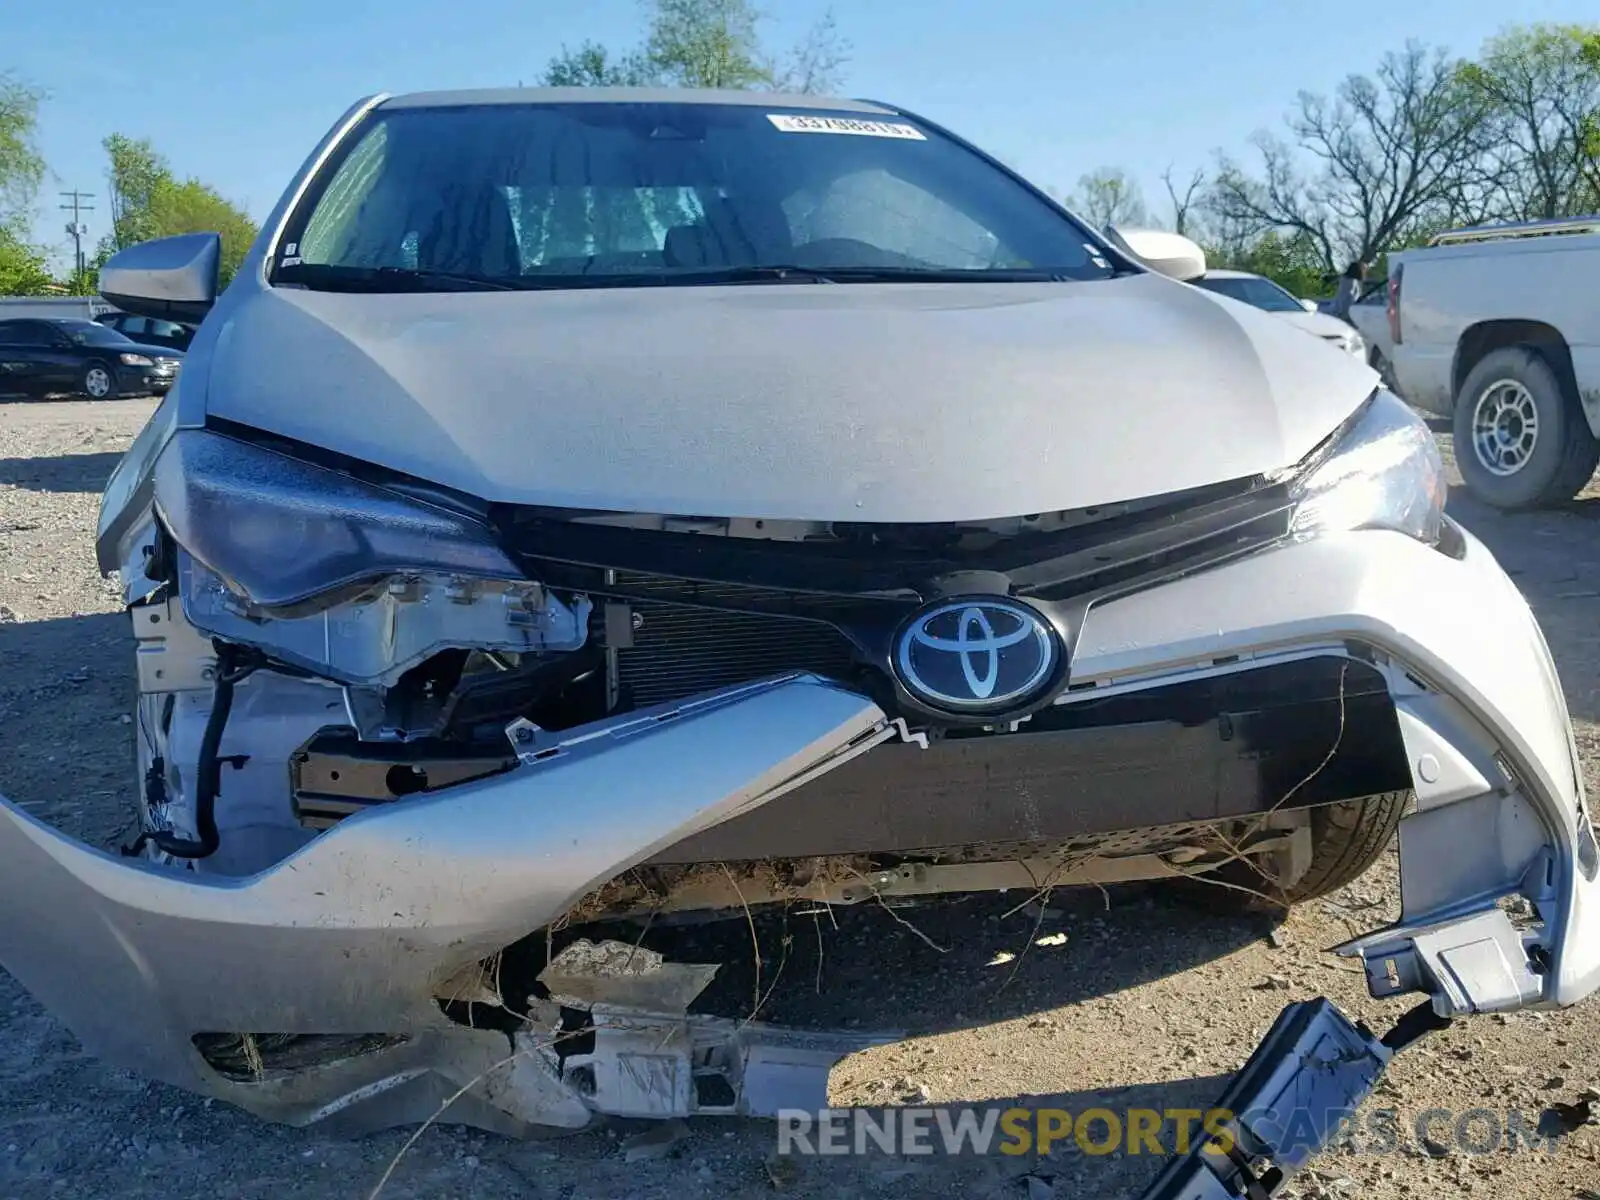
(272, 709)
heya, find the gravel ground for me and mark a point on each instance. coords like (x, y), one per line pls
(1142, 1004)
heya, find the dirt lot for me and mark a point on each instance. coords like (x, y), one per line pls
(1142, 1004)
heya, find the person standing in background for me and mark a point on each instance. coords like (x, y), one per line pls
(1349, 289)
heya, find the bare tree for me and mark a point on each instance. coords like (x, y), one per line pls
(1184, 204)
(1108, 197)
(1280, 199)
(817, 64)
(1394, 156)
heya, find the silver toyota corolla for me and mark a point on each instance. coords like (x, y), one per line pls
(589, 505)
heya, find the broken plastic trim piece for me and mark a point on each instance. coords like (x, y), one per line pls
(1289, 1101)
(649, 1058)
(1474, 964)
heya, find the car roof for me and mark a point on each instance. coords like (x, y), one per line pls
(606, 95)
(1222, 273)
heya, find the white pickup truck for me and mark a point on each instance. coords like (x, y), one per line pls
(1498, 328)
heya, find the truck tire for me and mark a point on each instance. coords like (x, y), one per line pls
(1346, 838)
(1521, 438)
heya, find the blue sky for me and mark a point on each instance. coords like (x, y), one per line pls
(238, 93)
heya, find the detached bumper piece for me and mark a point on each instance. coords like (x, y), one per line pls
(1289, 1101)
(649, 1058)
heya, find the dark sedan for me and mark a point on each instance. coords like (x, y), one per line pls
(149, 331)
(42, 357)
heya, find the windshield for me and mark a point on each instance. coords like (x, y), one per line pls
(569, 195)
(1253, 289)
(89, 333)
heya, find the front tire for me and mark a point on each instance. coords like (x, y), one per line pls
(1346, 839)
(1521, 438)
(98, 382)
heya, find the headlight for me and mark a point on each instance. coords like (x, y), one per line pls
(278, 530)
(136, 360)
(1356, 344)
(1383, 471)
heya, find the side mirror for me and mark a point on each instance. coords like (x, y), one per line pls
(173, 277)
(1309, 305)
(1170, 254)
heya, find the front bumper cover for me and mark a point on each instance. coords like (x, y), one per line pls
(355, 933)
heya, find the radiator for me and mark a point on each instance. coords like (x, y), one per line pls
(679, 651)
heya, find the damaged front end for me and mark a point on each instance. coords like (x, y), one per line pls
(387, 733)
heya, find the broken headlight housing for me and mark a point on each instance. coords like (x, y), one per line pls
(349, 579)
(1381, 471)
(279, 530)
(126, 492)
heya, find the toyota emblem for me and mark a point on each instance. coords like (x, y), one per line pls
(976, 655)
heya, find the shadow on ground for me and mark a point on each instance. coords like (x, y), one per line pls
(932, 968)
(68, 755)
(61, 472)
(1108, 1162)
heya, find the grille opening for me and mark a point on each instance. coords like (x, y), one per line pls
(679, 651)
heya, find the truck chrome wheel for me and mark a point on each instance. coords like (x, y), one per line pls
(1505, 427)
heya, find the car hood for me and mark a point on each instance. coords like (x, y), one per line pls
(859, 402)
(1321, 324)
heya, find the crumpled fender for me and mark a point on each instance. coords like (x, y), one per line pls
(351, 933)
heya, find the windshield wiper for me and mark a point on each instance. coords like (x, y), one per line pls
(789, 273)
(866, 274)
(336, 278)
(332, 277)
(776, 273)
(948, 275)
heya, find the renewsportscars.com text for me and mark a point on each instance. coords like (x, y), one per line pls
(1100, 1131)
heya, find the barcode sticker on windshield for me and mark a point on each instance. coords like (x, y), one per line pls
(790, 123)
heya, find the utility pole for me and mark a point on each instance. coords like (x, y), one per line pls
(77, 230)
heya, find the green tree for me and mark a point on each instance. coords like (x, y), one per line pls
(1293, 261)
(1589, 128)
(1542, 86)
(135, 176)
(591, 65)
(85, 282)
(1109, 196)
(22, 267)
(148, 201)
(21, 165)
(706, 44)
